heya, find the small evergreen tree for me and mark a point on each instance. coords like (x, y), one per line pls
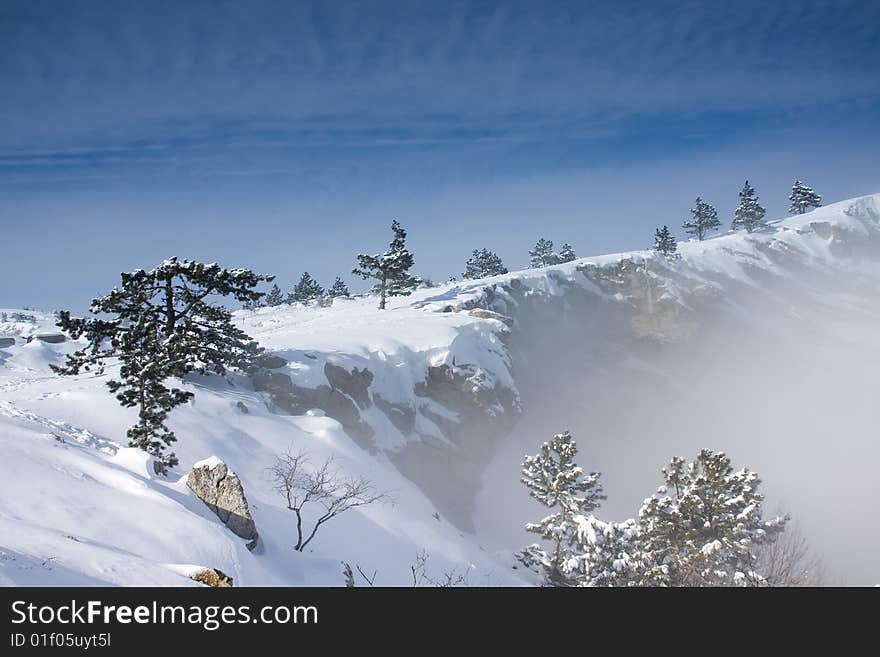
(542, 255)
(611, 554)
(308, 289)
(701, 525)
(802, 198)
(749, 213)
(161, 324)
(664, 241)
(555, 481)
(389, 269)
(274, 298)
(705, 218)
(338, 289)
(483, 263)
(567, 253)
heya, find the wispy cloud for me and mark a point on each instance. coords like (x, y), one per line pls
(124, 69)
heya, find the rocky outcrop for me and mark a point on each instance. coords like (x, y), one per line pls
(271, 361)
(212, 577)
(220, 489)
(483, 313)
(51, 338)
(7, 342)
(643, 284)
(355, 384)
(402, 416)
(476, 414)
(297, 400)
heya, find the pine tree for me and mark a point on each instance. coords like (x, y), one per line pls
(664, 241)
(611, 554)
(555, 481)
(482, 264)
(702, 524)
(705, 218)
(308, 289)
(567, 253)
(749, 213)
(542, 255)
(161, 324)
(802, 198)
(274, 298)
(389, 269)
(338, 289)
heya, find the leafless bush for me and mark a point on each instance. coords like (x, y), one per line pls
(348, 574)
(787, 560)
(324, 487)
(420, 575)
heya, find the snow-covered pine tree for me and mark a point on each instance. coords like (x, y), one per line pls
(389, 269)
(308, 289)
(610, 554)
(802, 198)
(557, 482)
(483, 263)
(705, 218)
(664, 241)
(749, 213)
(542, 255)
(567, 253)
(701, 526)
(274, 298)
(338, 289)
(161, 324)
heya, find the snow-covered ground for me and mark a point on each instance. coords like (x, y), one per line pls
(78, 507)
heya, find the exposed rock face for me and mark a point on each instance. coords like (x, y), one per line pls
(7, 342)
(479, 414)
(220, 489)
(212, 577)
(482, 313)
(296, 400)
(402, 416)
(51, 338)
(355, 384)
(271, 361)
(655, 314)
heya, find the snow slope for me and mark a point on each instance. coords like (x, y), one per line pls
(78, 507)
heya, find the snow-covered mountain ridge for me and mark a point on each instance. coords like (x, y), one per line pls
(425, 398)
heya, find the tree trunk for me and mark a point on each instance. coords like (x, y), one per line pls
(382, 293)
(299, 532)
(170, 319)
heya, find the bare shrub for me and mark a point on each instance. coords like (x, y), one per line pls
(325, 487)
(787, 560)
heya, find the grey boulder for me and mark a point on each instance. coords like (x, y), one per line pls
(220, 489)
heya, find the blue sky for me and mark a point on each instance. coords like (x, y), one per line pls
(286, 136)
